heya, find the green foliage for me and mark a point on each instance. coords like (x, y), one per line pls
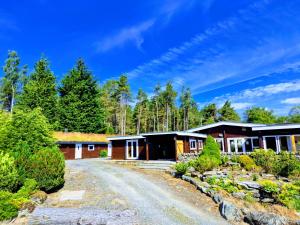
(31, 127)
(247, 162)
(227, 113)
(47, 168)
(224, 159)
(255, 177)
(290, 196)
(209, 113)
(28, 188)
(7, 209)
(80, 106)
(212, 149)
(103, 153)
(269, 186)
(260, 115)
(40, 91)
(222, 183)
(265, 159)
(181, 168)
(205, 163)
(286, 164)
(8, 173)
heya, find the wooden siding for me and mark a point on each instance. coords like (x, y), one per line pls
(69, 150)
(119, 149)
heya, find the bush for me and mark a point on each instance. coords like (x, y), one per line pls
(224, 159)
(224, 184)
(290, 196)
(247, 162)
(269, 186)
(8, 173)
(181, 168)
(47, 168)
(103, 153)
(204, 163)
(286, 164)
(212, 149)
(265, 159)
(29, 187)
(7, 209)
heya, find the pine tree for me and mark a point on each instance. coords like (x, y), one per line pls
(40, 91)
(209, 113)
(168, 99)
(260, 115)
(227, 113)
(141, 111)
(12, 81)
(80, 106)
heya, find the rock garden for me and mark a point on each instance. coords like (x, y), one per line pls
(260, 188)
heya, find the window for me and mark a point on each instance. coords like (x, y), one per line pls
(278, 143)
(255, 143)
(242, 145)
(193, 144)
(200, 144)
(91, 147)
(297, 143)
(132, 149)
(220, 141)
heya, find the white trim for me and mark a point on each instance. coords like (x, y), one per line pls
(193, 140)
(222, 141)
(200, 144)
(137, 149)
(179, 133)
(225, 123)
(125, 138)
(277, 141)
(277, 127)
(243, 139)
(92, 149)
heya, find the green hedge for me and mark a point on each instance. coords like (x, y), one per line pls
(8, 173)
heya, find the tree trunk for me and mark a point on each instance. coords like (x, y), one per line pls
(12, 99)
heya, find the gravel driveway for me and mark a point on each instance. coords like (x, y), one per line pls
(101, 192)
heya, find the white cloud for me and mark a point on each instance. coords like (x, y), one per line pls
(132, 34)
(291, 101)
(241, 105)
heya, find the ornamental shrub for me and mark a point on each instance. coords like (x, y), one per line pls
(47, 168)
(290, 196)
(265, 159)
(204, 163)
(181, 168)
(286, 164)
(269, 186)
(103, 153)
(247, 162)
(212, 150)
(8, 173)
(7, 209)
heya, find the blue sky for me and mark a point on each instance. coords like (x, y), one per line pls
(245, 51)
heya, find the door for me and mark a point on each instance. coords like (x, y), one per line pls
(78, 151)
(180, 149)
(109, 150)
(132, 149)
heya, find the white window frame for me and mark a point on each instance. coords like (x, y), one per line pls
(222, 141)
(136, 141)
(277, 140)
(200, 144)
(243, 144)
(193, 140)
(91, 148)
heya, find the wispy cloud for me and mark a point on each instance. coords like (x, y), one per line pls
(241, 105)
(133, 34)
(291, 101)
(7, 23)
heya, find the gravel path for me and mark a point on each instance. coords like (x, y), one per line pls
(109, 191)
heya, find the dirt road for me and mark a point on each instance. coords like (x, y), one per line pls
(99, 192)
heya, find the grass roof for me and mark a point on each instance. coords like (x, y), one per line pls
(77, 136)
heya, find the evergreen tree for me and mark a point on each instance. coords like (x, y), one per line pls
(209, 113)
(260, 115)
(141, 111)
(12, 81)
(40, 91)
(80, 106)
(294, 115)
(168, 100)
(227, 113)
(186, 106)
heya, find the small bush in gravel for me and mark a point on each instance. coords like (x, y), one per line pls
(204, 163)
(212, 149)
(247, 162)
(103, 153)
(8, 173)
(181, 168)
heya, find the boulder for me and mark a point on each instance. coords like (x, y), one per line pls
(249, 185)
(267, 200)
(261, 218)
(210, 173)
(230, 212)
(186, 178)
(217, 198)
(240, 195)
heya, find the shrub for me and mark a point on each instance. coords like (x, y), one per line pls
(247, 162)
(269, 186)
(8, 173)
(7, 209)
(224, 159)
(103, 153)
(286, 164)
(47, 168)
(225, 184)
(204, 163)
(265, 159)
(29, 187)
(212, 149)
(181, 168)
(290, 196)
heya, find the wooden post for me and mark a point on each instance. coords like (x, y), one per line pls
(175, 139)
(147, 151)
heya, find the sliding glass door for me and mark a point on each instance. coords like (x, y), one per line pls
(132, 149)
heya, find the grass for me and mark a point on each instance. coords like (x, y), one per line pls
(77, 136)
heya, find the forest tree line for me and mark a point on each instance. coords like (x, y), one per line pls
(79, 103)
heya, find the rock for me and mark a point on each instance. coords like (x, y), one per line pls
(261, 218)
(210, 173)
(196, 174)
(233, 164)
(268, 176)
(255, 193)
(39, 197)
(230, 212)
(240, 195)
(249, 184)
(186, 178)
(24, 213)
(267, 200)
(191, 170)
(217, 198)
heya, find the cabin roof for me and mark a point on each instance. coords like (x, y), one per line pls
(278, 127)
(78, 137)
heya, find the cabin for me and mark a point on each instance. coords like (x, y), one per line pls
(76, 145)
(233, 138)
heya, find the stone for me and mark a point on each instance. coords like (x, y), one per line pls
(186, 178)
(196, 174)
(217, 198)
(261, 218)
(24, 213)
(249, 185)
(71, 195)
(255, 193)
(191, 169)
(210, 173)
(267, 200)
(230, 212)
(239, 195)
